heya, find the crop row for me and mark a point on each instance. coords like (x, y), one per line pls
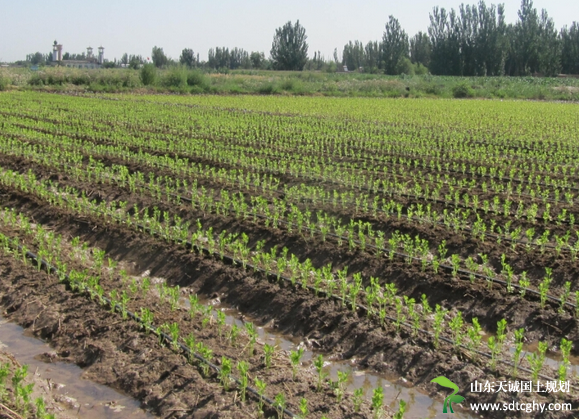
(456, 219)
(317, 132)
(354, 234)
(371, 177)
(90, 271)
(380, 300)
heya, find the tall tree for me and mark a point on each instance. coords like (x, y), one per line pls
(445, 47)
(187, 57)
(372, 57)
(353, 55)
(289, 49)
(420, 49)
(394, 46)
(159, 57)
(549, 50)
(36, 58)
(491, 40)
(570, 49)
(257, 59)
(525, 40)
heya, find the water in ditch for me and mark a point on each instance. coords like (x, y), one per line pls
(63, 382)
(419, 404)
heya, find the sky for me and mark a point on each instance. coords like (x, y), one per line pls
(132, 26)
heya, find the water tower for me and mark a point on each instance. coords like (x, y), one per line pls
(101, 55)
(56, 51)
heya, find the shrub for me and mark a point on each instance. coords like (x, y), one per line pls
(268, 89)
(148, 74)
(462, 90)
(176, 77)
(79, 79)
(420, 69)
(35, 80)
(3, 83)
(197, 78)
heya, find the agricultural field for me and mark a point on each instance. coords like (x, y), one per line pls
(263, 256)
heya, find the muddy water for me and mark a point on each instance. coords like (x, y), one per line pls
(554, 359)
(78, 398)
(419, 404)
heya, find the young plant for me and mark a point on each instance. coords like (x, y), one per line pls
(190, 343)
(173, 293)
(400, 317)
(492, 344)
(194, 305)
(225, 372)
(269, 350)
(475, 337)
(523, 283)
(566, 346)
(303, 407)
(279, 404)
(377, 402)
(233, 334)
(319, 364)
(252, 334)
(456, 326)
(537, 359)
(358, 398)
(146, 319)
(519, 334)
(295, 359)
(260, 385)
(206, 353)
(174, 333)
(401, 410)
(243, 368)
(340, 384)
(544, 287)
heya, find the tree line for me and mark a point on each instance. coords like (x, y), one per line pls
(474, 40)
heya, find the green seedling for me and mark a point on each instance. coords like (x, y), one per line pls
(243, 368)
(377, 402)
(269, 350)
(295, 359)
(279, 404)
(319, 364)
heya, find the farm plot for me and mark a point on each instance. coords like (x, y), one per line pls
(417, 238)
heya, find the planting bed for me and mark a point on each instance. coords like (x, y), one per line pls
(413, 239)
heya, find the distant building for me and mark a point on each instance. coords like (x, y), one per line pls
(90, 62)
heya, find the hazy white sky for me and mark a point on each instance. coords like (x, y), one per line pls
(132, 26)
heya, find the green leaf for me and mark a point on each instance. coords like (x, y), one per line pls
(445, 382)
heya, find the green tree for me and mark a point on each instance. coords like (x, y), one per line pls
(135, 61)
(159, 57)
(257, 60)
(353, 55)
(394, 46)
(570, 49)
(187, 57)
(289, 50)
(36, 58)
(549, 50)
(420, 49)
(525, 40)
(372, 61)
